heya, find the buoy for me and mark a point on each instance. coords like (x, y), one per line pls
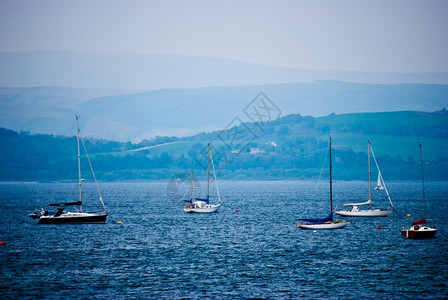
(314, 231)
(120, 222)
(409, 215)
(378, 227)
(237, 210)
(2, 243)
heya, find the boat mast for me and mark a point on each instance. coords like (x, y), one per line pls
(208, 170)
(214, 177)
(331, 183)
(368, 162)
(191, 184)
(79, 165)
(423, 182)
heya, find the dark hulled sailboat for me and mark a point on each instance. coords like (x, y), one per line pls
(77, 217)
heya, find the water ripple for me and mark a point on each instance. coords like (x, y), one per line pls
(161, 252)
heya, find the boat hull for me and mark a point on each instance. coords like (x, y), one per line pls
(74, 218)
(419, 234)
(365, 213)
(205, 209)
(333, 225)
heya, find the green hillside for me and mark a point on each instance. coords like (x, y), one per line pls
(392, 133)
(292, 147)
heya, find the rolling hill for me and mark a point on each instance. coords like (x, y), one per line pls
(123, 115)
(291, 147)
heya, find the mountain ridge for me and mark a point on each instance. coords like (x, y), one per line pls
(140, 71)
(124, 115)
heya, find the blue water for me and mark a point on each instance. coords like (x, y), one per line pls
(159, 251)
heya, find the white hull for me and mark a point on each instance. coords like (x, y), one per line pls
(365, 213)
(333, 225)
(204, 209)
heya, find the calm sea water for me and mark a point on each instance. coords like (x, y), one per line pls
(159, 251)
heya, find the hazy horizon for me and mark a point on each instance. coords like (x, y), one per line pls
(251, 45)
(380, 36)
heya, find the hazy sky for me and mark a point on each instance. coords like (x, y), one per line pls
(391, 36)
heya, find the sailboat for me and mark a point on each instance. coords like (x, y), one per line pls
(202, 205)
(78, 216)
(355, 211)
(419, 229)
(378, 182)
(328, 222)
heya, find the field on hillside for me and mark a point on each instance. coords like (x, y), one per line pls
(395, 134)
(292, 147)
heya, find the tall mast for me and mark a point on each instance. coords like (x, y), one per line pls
(423, 182)
(368, 162)
(191, 184)
(79, 164)
(208, 170)
(214, 177)
(331, 184)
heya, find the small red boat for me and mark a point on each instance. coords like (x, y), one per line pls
(419, 230)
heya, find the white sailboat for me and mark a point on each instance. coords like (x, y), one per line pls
(202, 205)
(356, 211)
(328, 222)
(78, 216)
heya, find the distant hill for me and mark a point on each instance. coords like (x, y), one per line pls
(45, 109)
(135, 71)
(291, 147)
(114, 115)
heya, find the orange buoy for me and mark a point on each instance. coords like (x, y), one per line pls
(409, 215)
(120, 222)
(378, 227)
